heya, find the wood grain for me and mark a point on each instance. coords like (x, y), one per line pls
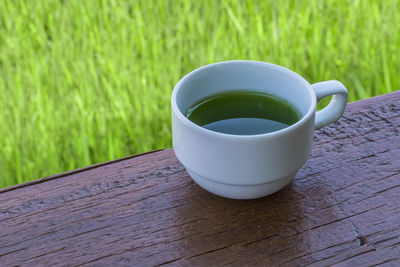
(343, 208)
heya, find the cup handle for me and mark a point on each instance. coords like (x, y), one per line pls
(336, 106)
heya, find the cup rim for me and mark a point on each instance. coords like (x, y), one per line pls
(187, 122)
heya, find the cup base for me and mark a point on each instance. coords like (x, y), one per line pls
(241, 191)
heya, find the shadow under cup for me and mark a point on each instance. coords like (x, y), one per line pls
(242, 166)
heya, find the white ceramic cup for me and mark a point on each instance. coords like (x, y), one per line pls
(249, 166)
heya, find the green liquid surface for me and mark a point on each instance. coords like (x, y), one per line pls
(243, 113)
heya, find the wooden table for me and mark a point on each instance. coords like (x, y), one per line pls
(342, 208)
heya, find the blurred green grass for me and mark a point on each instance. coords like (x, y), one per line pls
(88, 81)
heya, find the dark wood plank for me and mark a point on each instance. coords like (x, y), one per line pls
(67, 173)
(342, 208)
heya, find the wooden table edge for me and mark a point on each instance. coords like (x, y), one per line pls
(372, 99)
(67, 173)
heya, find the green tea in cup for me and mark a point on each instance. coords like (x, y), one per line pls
(243, 112)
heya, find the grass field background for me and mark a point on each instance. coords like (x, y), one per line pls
(88, 81)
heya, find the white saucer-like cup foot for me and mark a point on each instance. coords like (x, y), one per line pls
(241, 191)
